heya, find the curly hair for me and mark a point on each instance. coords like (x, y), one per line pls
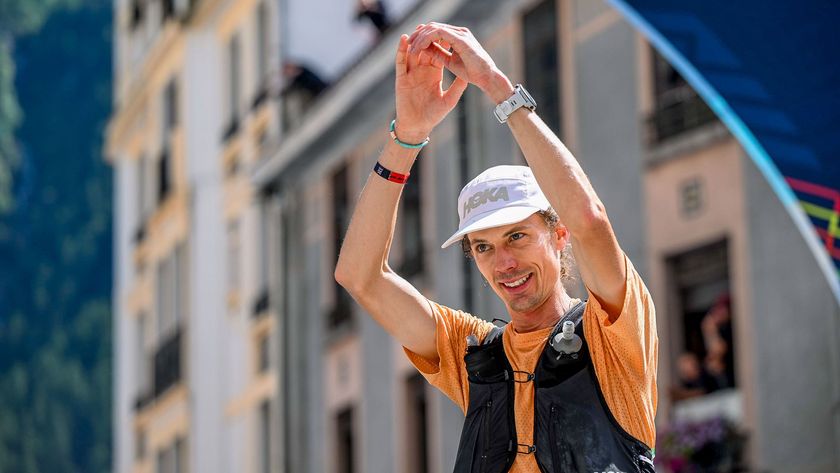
(551, 220)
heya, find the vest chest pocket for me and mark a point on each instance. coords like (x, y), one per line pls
(484, 440)
(562, 454)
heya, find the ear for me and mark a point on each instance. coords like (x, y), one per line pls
(561, 236)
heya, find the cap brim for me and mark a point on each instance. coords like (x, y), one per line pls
(495, 218)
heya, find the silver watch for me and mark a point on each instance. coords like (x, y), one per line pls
(520, 98)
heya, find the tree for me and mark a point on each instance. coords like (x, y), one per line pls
(55, 241)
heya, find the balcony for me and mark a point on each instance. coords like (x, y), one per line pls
(167, 364)
(231, 129)
(140, 234)
(677, 111)
(340, 317)
(142, 400)
(179, 10)
(261, 304)
(260, 96)
(164, 178)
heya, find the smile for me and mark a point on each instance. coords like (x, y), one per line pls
(518, 282)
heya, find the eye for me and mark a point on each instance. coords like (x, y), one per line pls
(481, 247)
(517, 236)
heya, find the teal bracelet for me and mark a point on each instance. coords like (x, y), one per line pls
(405, 145)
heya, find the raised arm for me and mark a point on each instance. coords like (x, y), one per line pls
(362, 268)
(597, 253)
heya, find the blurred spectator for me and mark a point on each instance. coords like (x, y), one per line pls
(301, 78)
(374, 11)
(692, 380)
(717, 336)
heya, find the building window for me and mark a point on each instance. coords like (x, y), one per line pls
(137, 14)
(164, 179)
(412, 225)
(265, 437)
(264, 353)
(301, 88)
(341, 313)
(172, 459)
(182, 288)
(143, 206)
(701, 294)
(691, 197)
(233, 256)
(262, 42)
(143, 365)
(677, 107)
(345, 445)
(169, 120)
(262, 302)
(180, 455)
(139, 444)
(234, 84)
(542, 71)
(170, 106)
(171, 306)
(417, 439)
(167, 297)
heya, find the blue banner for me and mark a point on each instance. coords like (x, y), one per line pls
(770, 70)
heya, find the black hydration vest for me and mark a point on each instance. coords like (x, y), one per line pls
(574, 430)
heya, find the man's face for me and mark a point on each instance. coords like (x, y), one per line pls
(521, 261)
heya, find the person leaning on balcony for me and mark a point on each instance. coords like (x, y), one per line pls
(567, 385)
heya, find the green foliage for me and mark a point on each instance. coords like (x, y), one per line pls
(55, 242)
(55, 403)
(9, 120)
(17, 17)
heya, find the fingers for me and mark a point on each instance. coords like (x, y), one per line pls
(440, 57)
(415, 32)
(455, 91)
(402, 56)
(413, 57)
(423, 37)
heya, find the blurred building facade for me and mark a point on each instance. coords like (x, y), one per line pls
(195, 383)
(237, 351)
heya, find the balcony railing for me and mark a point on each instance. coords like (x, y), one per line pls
(140, 233)
(677, 111)
(231, 129)
(261, 304)
(261, 95)
(167, 364)
(164, 178)
(341, 314)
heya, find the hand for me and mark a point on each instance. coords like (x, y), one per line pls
(421, 101)
(467, 58)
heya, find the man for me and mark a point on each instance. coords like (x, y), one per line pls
(566, 386)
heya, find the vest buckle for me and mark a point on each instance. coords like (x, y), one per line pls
(528, 448)
(528, 376)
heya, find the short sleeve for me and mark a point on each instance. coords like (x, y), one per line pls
(449, 374)
(625, 355)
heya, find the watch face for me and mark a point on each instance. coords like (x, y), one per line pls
(528, 97)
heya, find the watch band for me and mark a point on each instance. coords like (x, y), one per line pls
(519, 98)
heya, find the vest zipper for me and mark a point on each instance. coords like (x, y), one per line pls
(552, 438)
(486, 429)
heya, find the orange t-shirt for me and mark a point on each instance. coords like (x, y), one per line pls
(624, 354)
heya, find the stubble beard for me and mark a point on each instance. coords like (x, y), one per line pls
(525, 303)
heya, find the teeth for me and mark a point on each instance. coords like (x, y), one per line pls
(518, 282)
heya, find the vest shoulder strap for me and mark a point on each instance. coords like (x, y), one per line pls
(494, 336)
(575, 314)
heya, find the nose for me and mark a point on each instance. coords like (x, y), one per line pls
(505, 260)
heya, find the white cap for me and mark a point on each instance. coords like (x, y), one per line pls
(499, 196)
